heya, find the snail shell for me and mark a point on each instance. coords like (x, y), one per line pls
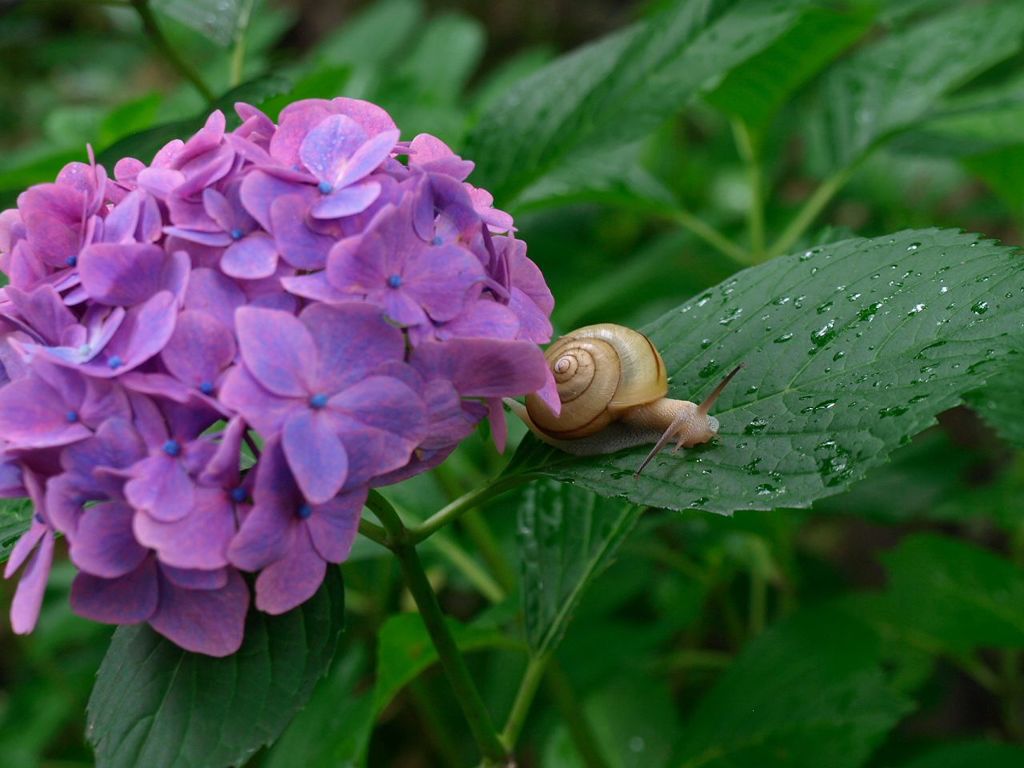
(612, 384)
(600, 371)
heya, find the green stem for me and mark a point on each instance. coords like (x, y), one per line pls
(582, 735)
(524, 698)
(167, 50)
(484, 540)
(454, 666)
(238, 53)
(463, 504)
(709, 235)
(748, 150)
(812, 207)
(373, 532)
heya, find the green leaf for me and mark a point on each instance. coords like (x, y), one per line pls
(983, 754)
(157, 705)
(566, 537)
(891, 85)
(131, 117)
(374, 36)
(334, 728)
(756, 89)
(15, 519)
(217, 20)
(618, 89)
(808, 692)
(849, 349)
(1000, 402)
(945, 594)
(446, 53)
(1003, 170)
(404, 650)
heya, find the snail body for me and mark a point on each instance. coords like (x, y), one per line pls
(612, 384)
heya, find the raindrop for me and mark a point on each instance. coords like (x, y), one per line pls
(915, 309)
(979, 307)
(784, 338)
(895, 410)
(755, 426)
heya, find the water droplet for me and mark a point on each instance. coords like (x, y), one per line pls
(784, 338)
(755, 426)
(869, 311)
(824, 405)
(895, 410)
(751, 467)
(699, 502)
(751, 389)
(766, 489)
(823, 308)
(913, 246)
(825, 334)
(838, 355)
(709, 370)
(915, 309)
(979, 307)
(705, 343)
(731, 316)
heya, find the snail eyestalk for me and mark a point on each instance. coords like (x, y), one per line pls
(691, 425)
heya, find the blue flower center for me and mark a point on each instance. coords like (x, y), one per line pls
(172, 448)
(71, 261)
(39, 518)
(325, 187)
(71, 416)
(238, 495)
(437, 240)
(304, 511)
(237, 234)
(115, 362)
(395, 281)
(206, 387)
(318, 401)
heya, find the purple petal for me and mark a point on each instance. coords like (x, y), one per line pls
(200, 348)
(199, 539)
(346, 201)
(251, 258)
(277, 349)
(315, 287)
(298, 244)
(482, 319)
(333, 526)
(103, 544)
(144, 332)
(194, 578)
(203, 621)
(259, 191)
(265, 411)
(161, 487)
(366, 159)
(351, 340)
(33, 416)
(440, 278)
(330, 144)
(28, 598)
(24, 547)
(121, 274)
(483, 367)
(293, 579)
(210, 291)
(212, 239)
(264, 537)
(315, 455)
(127, 600)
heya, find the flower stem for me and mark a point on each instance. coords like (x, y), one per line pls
(709, 235)
(161, 43)
(524, 698)
(582, 735)
(473, 708)
(813, 206)
(373, 532)
(238, 52)
(461, 505)
(748, 150)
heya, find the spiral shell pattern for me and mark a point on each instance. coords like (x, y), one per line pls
(600, 371)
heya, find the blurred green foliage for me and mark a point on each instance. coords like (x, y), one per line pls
(881, 628)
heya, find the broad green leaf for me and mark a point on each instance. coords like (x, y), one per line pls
(157, 705)
(980, 754)
(334, 728)
(849, 349)
(218, 20)
(756, 89)
(130, 117)
(446, 53)
(808, 692)
(1003, 170)
(374, 36)
(567, 537)
(15, 519)
(891, 85)
(325, 82)
(620, 88)
(404, 650)
(1001, 403)
(949, 595)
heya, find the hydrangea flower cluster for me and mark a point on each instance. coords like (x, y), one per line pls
(208, 361)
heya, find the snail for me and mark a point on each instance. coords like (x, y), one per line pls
(612, 384)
